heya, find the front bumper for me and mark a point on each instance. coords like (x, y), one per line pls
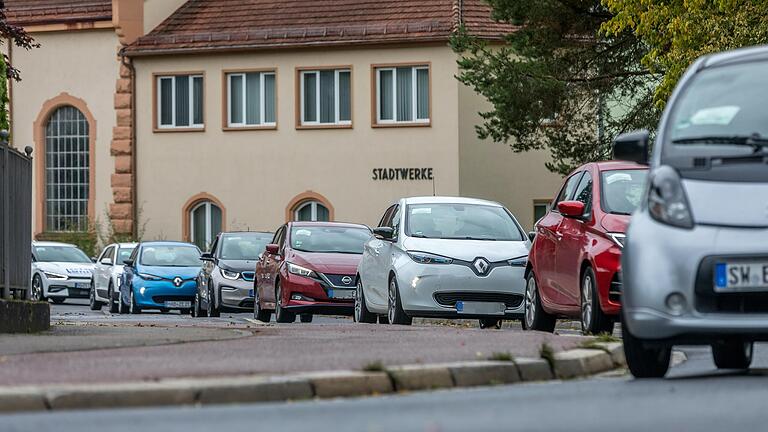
(236, 294)
(660, 260)
(432, 290)
(315, 296)
(70, 288)
(155, 294)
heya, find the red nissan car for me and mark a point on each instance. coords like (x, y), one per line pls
(309, 268)
(574, 267)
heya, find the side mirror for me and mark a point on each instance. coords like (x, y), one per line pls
(273, 249)
(206, 257)
(384, 233)
(632, 146)
(571, 209)
(107, 261)
(128, 262)
(531, 235)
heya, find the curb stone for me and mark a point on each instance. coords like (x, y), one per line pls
(616, 351)
(534, 369)
(22, 399)
(581, 362)
(349, 383)
(254, 389)
(478, 373)
(420, 377)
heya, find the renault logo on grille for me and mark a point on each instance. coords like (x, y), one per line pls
(481, 265)
(346, 280)
(177, 281)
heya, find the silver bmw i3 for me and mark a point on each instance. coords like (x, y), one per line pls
(695, 263)
(443, 257)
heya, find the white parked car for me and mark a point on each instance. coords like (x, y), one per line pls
(443, 257)
(60, 271)
(106, 276)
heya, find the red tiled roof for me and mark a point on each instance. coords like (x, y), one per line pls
(38, 12)
(201, 25)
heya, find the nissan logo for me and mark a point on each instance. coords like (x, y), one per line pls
(177, 281)
(346, 280)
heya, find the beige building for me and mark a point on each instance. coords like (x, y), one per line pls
(244, 114)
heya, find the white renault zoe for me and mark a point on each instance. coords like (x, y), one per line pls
(443, 257)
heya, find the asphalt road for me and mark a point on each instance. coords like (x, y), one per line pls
(693, 397)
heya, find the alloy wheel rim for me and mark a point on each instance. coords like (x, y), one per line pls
(586, 303)
(358, 301)
(37, 289)
(391, 304)
(131, 305)
(530, 302)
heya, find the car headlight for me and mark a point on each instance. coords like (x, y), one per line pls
(229, 274)
(618, 238)
(667, 202)
(55, 276)
(299, 270)
(428, 258)
(519, 261)
(147, 276)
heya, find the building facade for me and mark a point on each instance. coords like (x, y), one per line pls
(211, 115)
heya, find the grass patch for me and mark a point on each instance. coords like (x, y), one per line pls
(375, 366)
(501, 356)
(547, 353)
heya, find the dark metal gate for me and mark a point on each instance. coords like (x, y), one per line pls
(15, 220)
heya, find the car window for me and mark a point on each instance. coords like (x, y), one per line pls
(567, 191)
(329, 239)
(245, 246)
(107, 254)
(394, 222)
(170, 255)
(279, 239)
(61, 254)
(461, 222)
(124, 253)
(583, 192)
(387, 216)
(622, 190)
(215, 246)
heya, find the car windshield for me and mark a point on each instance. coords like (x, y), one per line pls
(243, 246)
(60, 254)
(170, 256)
(461, 221)
(332, 239)
(124, 253)
(622, 190)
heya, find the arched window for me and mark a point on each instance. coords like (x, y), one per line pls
(67, 170)
(204, 224)
(311, 211)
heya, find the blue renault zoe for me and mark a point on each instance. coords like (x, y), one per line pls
(160, 275)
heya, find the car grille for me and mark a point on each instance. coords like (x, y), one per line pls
(336, 280)
(248, 276)
(614, 293)
(706, 300)
(167, 298)
(450, 298)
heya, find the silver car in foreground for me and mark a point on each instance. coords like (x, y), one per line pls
(105, 285)
(59, 271)
(443, 257)
(695, 264)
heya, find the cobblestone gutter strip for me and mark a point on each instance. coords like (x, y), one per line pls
(249, 389)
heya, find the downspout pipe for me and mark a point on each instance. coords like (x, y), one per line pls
(126, 61)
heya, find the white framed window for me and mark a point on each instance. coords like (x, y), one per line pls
(251, 99)
(311, 211)
(325, 97)
(402, 95)
(204, 224)
(180, 101)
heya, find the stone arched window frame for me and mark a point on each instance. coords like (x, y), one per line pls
(191, 204)
(303, 198)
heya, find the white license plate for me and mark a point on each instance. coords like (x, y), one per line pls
(741, 276)
(344, 294)
(178, 304)
(480, 308)
(84, 285)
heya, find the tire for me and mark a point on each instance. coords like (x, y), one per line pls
(282, 315)
(114, 307)
(645, 361)
(362, 314)
(305, 318)
(383, 319)
(122, 306)
(260, 314)
(395, 312)
(94, 304)
(536, 318)
(197, 311)
(133, 307)
(491, 323)
(212, 311)
(185, 311)
(37, 293)
(593, 320)
(58, 300)
(734, 354)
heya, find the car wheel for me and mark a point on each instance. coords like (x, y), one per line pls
(198, 311)
(37, 289)
(213, 311)
(491, 323)
(536, 318)
(305, 318)
(395, 311)
(114, 307)
(593, 320)
(282, 315)
(735, 354)
(58, 300)
(134, 308)
(122, 305)
(94, 304)
(362, 314)
(645, 361)
(260, 314)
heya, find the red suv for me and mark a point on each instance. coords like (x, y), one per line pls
(574, 267)
(309, 268)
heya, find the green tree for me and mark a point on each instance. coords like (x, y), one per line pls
(558, 83)
(19, 37)
(677, 32)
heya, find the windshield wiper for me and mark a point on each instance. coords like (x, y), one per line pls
(470, 238)
(755, 140)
